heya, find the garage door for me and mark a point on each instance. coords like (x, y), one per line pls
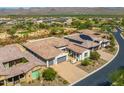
(51, 62)
(35, 74)
(61, 59)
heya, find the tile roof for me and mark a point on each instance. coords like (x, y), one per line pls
(76, 48)
(13, 52)
(46, 48)
(81, 37)
(90, 44)
(10, 52)
(75, 36)
(95, 35)
(87, 38)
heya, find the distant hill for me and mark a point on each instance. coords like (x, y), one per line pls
(62, 10)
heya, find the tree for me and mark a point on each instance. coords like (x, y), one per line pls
(43, 26)
(94, 55)
(117, 77)
(79, 25)
(85, 62)
(49, 74)
(76, 23)
(122, 22)
(57, 31)
(11, 31)
(112, 42)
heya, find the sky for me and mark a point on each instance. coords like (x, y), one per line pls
(61, 3)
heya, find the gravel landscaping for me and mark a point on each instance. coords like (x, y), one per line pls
(95, 65)
(57, 82)
(122, 33)
(108, 50)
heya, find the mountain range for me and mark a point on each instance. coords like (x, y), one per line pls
(62, 10)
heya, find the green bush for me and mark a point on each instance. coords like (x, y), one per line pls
(65, 82)
(117, 77)
(49, 74)
(57, 31)
(112, 40)
(94, 55)
(86, 62)
(112, 49)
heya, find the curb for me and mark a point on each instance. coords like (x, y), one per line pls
(99, 67)
(121, 35)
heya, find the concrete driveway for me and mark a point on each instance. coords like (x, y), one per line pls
(69, 71)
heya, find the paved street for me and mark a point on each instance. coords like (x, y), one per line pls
(101, 76)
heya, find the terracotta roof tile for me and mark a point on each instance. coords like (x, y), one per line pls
(47, 48)
(14, 52)
(76, 48)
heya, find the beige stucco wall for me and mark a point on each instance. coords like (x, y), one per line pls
(61, 55)
(2, 77)
(82, 56)
(28, 76)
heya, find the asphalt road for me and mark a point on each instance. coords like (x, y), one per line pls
(100, 78)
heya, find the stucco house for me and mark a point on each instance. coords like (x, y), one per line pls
(49, 50)
(17, 64)
(88, 39)
(79, 53)
(98, 37)
(55, 50)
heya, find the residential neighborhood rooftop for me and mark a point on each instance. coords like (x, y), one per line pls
(76, 48)
(46, 48)
(14, 52)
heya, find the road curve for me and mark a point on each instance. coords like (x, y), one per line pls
(100, 78)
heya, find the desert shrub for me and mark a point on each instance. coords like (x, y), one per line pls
(117, 77)
(65, 82)
(49, 74)
(112, 40)
(94, 55)
(112, 49)
(85, 62)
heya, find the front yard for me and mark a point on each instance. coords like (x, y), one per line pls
(48, 77)
(97, 60)
(93, 66)
(111, 50)
(59, 81)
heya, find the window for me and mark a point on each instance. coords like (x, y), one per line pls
(15, 62)
(21, 76)
(1, 82)
(10, 80)
(6, 65)
(86, 54)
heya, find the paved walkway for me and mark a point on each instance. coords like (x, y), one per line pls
(104, 55)
(69, 72)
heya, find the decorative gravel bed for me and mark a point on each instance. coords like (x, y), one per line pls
(95, 65)
(122, 33)
(108, 50)
(57, 82)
